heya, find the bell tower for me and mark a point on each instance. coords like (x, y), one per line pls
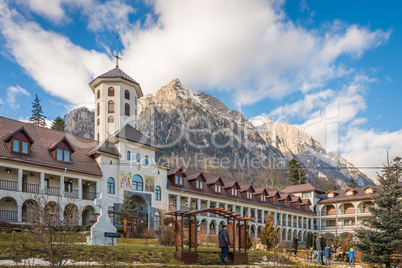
(116, 99)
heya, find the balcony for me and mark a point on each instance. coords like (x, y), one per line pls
(8, 185)
(89, 195)
(7, 215)
(71, 194)
(52, 190)
(30, 188)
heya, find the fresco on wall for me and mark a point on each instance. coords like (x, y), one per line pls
(125, 180)
(149, 183)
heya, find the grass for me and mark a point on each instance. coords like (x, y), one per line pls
(128, 251)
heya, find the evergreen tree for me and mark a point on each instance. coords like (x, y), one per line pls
(58, 124)
(352, 183)
(126, 207)
(37, 117)
(382, 234)
(269, 234)
(296, 173)
(331, 187)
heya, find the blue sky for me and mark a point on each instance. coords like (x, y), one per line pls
(291, 61)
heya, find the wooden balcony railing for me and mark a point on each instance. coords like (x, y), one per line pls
(9, 185)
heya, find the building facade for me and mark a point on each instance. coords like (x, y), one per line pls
(121, 161)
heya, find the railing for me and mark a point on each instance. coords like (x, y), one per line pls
(9, 185)
(51, 190)
(7, 215)
(71, 194)
(89, 195)
(30, 188)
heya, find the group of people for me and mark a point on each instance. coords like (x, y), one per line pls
(327, 252)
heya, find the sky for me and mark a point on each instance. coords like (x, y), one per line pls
(331, 68)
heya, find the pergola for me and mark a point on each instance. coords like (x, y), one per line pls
(191, 255)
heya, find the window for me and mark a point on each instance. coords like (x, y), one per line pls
(111, 215)
(146, 160)
(110, 185)
(63, 155)
(110, 107)
(20, 146)
(263, 198)
(98, 109)
(369, 190)
(110, 119)
(128, 155)
(306, 195)
(178, 180)
(199, 185)
(47, 184)
(98, 122)
(135, 101)
(218, 188)
(287, 203)
(127, 109)
(98, 94)
(330, 195)
(158, 193)
(137, 158)
(330, 223)
(234, 192)
(249, 195)
(110, 92)
(349, 222)
(275, 201)
(68, 186)
(137, 183)
(127, 94)
(297, 205)
(349, 192)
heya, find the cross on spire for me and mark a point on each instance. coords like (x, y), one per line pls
(116, 55)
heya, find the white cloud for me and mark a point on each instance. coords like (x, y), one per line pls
(12, 93)
(26, 120)
(60, 67)
(368, 148)
(49, 9)
(248, 49)
(260, 120)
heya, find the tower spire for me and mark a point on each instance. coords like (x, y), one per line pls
(116, 54)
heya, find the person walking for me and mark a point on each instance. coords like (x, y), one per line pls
(352, 256)
(224, 243)
(327, 254)
(320, 245)
(340, 254)
(295, 243)
(334, 249)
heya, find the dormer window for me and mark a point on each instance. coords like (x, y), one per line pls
(297, 205)
(62, 150)
(369, 190)
(275, 200)
(234, 192)
(263, 198)
(350, 192)
(249, 195)
(330, 195)
(286, 202)
(199, 185)
(63, 155)
(20, 141)
(178, 180)
(218, 188)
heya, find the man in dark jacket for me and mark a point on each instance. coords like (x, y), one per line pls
(295, 243)
(224, 243)
(320, 245)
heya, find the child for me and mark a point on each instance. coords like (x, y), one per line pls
(327, 255)
(352, 256)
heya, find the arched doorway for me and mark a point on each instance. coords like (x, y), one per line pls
(212, 226)
(9, 209)
(203, 226)
(87, 217)
(70, 214)
(284, 233)
(30, 211)
(141, 210)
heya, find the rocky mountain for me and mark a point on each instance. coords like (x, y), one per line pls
(322, 165)
(196, 129)
(81, 122)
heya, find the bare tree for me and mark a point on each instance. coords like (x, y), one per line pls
(53, 229)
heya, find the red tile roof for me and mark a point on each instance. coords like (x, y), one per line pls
(207, 191)
(43, 139)
(307, 187)
(359, 194)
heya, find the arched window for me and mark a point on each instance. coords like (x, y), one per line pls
(137, 183)
(98, 122)
(110, 119)
(158, 193)
(127, 109)
(98, 109)
(127, 94)
(110, 107)
(137, 158)
(110, 92)
(98, 94)
(110, 185)
(146, 160)
(128, 155)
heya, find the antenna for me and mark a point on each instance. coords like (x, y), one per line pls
(116, 55)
